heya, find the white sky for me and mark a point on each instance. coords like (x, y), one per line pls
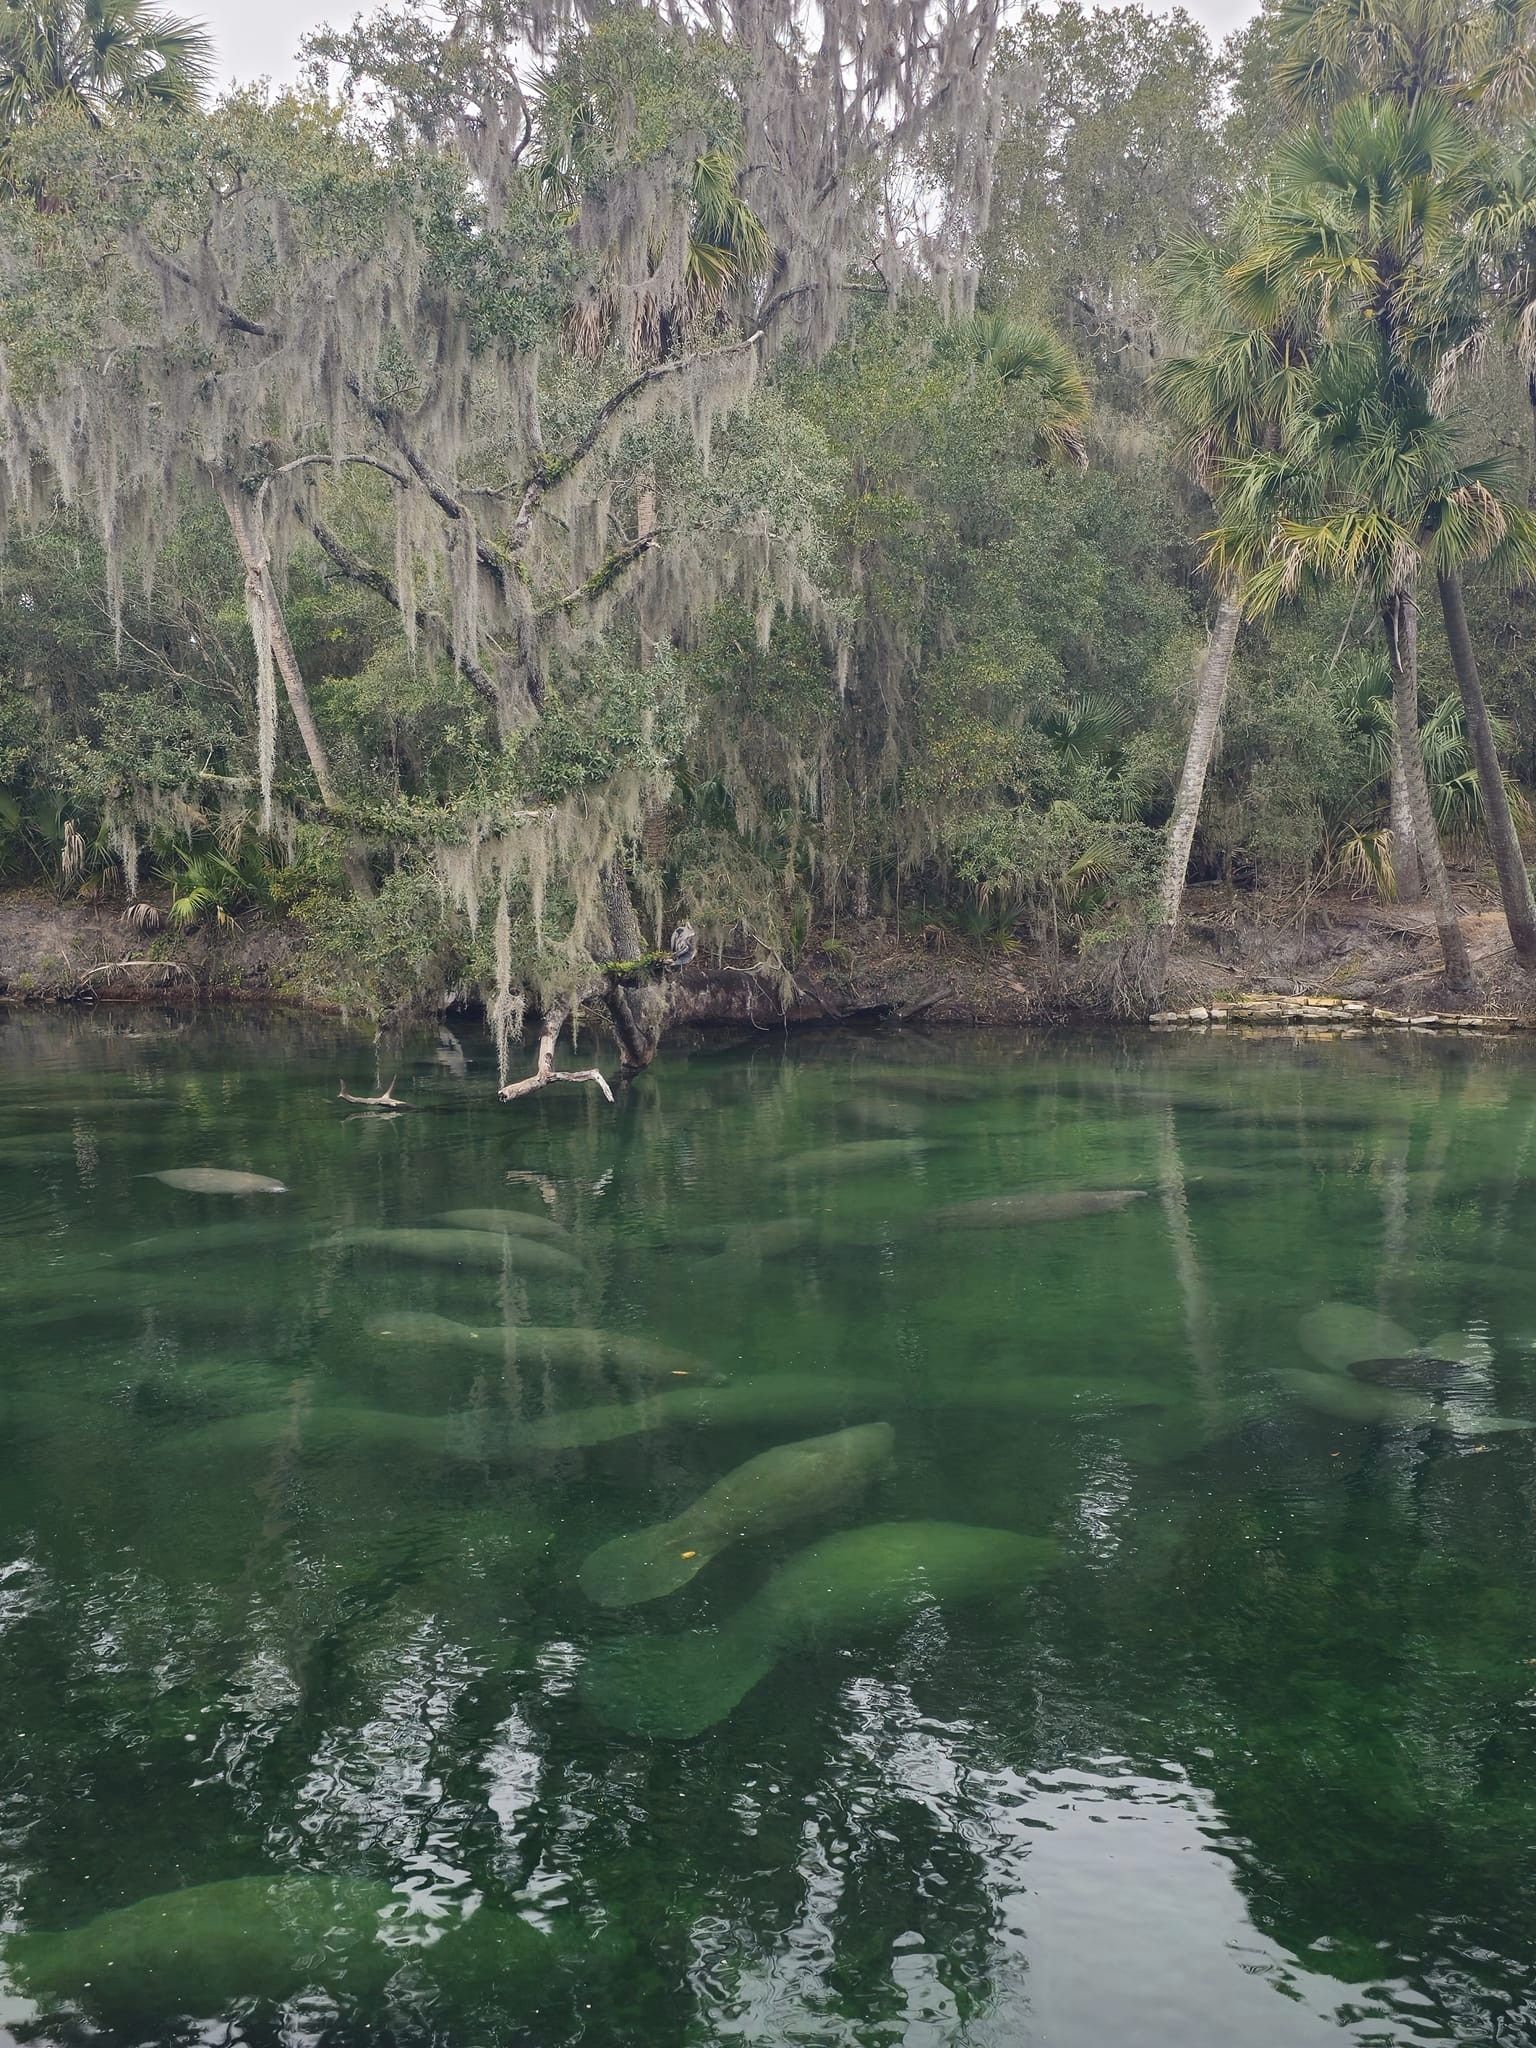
(258, 37)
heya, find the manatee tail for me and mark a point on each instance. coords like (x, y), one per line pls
(645, 1565)
(672, 1687)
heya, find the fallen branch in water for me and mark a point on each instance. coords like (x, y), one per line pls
(388, 1100)
(545, 1071)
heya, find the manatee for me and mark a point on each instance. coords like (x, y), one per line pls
(858, 1155)
(484, 1248)
(858, 1581)
(218, 1180)
(922, 1081)
(512, 1222)
(785, 1397)
(550, 1344)
(779, 1397)
(196, 1241)
(1350, 1401)
(777, 1237)
(784, 1485)
(1337, 1333)
(198, 1951)
(266, 1940)
(1010, 1212)
(1055, 1395)
(321, 1432)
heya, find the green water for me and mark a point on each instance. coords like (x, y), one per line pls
(1164, 1674)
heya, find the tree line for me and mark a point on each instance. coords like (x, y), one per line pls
(563, 486)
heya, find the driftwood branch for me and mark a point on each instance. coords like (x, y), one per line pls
(545, 1072)
(388, 1100)
(83, 982)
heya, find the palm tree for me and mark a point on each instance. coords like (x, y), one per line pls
(98, 57)
(1364, 229)
(727, 249)
(1025, 352)
(1479, 53)
(1371, 489)
(1227, 397)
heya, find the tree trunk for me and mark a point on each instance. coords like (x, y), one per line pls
(1514, 881)
(1406, 870)
(261, 599)
(251, 542)
(639, 1014)
(1400, 617)
(1210, 695)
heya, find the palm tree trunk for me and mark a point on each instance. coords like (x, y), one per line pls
(1210, 695)
(1514, 881)
(1400, 616)
(1406, 871)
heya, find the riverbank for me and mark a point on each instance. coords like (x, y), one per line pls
(1380, 955)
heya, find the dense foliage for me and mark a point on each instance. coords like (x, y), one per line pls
(554, 479)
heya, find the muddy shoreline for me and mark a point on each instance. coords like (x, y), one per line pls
(1372, 964)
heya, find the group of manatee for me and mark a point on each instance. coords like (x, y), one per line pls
(209, 1948)
(1372, 1371)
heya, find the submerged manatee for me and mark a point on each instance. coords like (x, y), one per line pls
(780, 1397)
(1011, 1212)
(857, 1155)
(218, 1180)
(1350, 1401)
(788, 1397)
(784, 1485)
(1053, 1395)
(326, 1432)
(546, 1343)
(198, 1951)
(482, 1248)
(511, 1222)
(860, 1580)
(196, 1241)
(1337, 1333)
(266, 1940)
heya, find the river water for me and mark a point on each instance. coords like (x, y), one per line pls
(1140, 1647)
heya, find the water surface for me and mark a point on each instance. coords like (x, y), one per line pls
(316, 1730)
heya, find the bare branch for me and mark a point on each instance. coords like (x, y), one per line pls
(544, 1072)
(387, 1100)
(334, 462)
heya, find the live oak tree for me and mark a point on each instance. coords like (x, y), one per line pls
(500, 303)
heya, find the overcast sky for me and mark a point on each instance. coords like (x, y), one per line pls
(257, 37)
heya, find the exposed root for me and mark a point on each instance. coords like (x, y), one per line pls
(83, 992)
(545, 1071)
